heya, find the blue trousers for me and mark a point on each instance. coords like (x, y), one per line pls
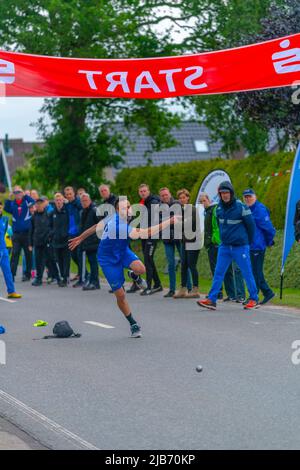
(233, 279)
(170, 250)
(234, 282)
(5, 266)
(257, 261)
(241, 255)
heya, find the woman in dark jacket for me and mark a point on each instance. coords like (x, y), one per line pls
(190, 246)
(90, 245)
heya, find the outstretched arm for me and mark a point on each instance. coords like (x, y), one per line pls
(149, 232)
(74, 242)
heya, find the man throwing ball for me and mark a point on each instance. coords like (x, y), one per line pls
(114, 254)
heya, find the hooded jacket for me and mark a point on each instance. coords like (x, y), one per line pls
(237, 226)
(21, 217)
(264, 232)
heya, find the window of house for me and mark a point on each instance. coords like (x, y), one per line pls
(201, 146)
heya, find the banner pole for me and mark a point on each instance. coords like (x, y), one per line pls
(281, 285)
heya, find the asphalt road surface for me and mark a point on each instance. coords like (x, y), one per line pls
(108, 391)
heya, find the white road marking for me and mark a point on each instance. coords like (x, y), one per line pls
(101, 325)
(46, 422)
(8, 300)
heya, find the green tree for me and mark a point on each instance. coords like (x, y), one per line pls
(276, 109)
(82, 139)
(229, 24)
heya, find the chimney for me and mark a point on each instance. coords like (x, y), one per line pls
(6, 144)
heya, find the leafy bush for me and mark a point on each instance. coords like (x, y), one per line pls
(254, 171)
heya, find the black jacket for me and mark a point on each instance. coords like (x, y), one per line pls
(89, 218)
(59, 226)
(39, 234)
(208, 230)
(152, 216)
(110, 200)
(297, 222)
(170, 229)
(190, 221)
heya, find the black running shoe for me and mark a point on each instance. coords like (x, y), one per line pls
(135, 331)
(146, 292)
(267, 299)
(170, 293)
(157, 289)
(78, 284)
(90, 287)
(133, 288)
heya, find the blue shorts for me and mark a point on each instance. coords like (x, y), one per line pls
(114, 273)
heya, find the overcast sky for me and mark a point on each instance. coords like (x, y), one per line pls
(17, 114)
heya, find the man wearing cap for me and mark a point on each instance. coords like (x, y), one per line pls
(39, 237)
(263, 238)
(237, 228)
(21, 223)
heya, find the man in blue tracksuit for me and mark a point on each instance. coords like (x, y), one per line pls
(21, 224)
(74, 209)
(263, 238)
(237, 230)
(4, 258)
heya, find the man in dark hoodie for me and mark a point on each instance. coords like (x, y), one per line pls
(149, 218)
(237, 229)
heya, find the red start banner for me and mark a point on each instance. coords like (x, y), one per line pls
(270, 64)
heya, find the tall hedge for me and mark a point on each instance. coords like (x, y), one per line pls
(254, 171)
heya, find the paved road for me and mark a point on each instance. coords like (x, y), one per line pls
(12, 438)
(108, 391)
